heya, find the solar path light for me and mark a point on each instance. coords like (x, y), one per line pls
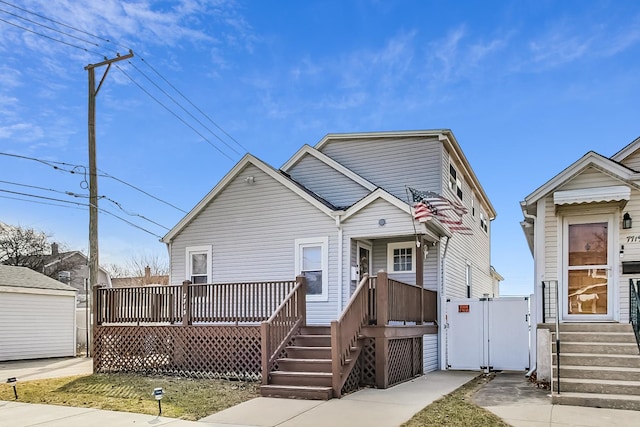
(158, 393)
(12, 382)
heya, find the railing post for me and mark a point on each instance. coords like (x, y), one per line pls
(186, 304)
(266, 351)
(544, 308)
(382, 299)
(336, 362)
(302, 298)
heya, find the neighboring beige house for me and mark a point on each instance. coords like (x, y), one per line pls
(340, 209)
(582, 229)
(147, 280)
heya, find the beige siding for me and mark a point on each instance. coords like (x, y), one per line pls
(630, 239)
(327, 182)
(252, 230)
(34, 326)
(391, 163)
(590, 178)
(633, 161)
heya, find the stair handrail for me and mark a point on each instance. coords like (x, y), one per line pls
(284, 323)
(557, 338)
(345, 332)
(634, 309)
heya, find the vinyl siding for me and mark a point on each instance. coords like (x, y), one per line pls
(252, 230)
(590, 178)
(34, 326)
(327, 182)
(391, 163)
(632, 161)
(430, 353)
(631, 240)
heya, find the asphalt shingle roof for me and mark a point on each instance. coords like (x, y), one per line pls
(23, 277)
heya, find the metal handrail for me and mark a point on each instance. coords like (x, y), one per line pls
(634, 309)
(557, 337)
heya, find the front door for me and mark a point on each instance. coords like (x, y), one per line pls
(587, 261)
(363, 259)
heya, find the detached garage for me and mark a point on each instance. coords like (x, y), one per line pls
(37, 315)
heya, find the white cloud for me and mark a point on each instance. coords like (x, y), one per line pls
(21, 132)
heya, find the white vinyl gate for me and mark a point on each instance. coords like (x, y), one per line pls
(488, 334)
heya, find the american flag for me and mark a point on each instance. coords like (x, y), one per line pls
(427, 204)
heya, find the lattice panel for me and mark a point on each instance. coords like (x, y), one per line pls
(353, 380)
(368, 360)
(403, 359)
(229, 352)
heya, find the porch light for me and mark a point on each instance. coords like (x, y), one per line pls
(626, 221)
(12, 382)
(158, 393)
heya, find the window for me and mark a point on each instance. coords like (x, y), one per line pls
(455, 184)
(483, 222)
(473, 206)
(467, 279)
(312, 262)
(64, 276)
(401, 257)
(198, 264)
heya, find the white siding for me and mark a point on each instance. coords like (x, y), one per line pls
(36, 326)
(391, 163)
(430, 353)
(252, 230)
(632, 161)
(327, 182)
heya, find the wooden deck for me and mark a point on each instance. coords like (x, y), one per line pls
(257, 331)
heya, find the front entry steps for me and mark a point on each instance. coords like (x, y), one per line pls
(306, 371)
(599, 366)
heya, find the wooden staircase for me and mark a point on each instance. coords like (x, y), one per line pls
(306, 371)
(599, 366)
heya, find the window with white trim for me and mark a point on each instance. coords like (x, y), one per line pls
(312, 262)
(467, 279)
(401, 257)
(455, 184)
(198, 264)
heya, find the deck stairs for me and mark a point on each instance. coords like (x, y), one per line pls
(305, 372)
(599, 366)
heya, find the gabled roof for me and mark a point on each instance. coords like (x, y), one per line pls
(591, 159)
(23, 277)
(307, 150)
(248, 159)
(444, 135)
(627, 151)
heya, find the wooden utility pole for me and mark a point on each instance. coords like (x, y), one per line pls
(94, 264)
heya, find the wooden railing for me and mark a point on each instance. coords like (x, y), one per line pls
(186, 304)
(345, 332)
(391, 300)
(284, 323)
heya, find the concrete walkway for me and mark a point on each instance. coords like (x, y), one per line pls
(29, 370)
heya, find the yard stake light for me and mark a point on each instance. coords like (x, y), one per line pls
(158, 393)
(12, 382)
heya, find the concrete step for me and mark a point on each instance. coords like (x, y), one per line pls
(322, 379)
(316, 330)
(596, 348)
(613, 360)
(577, 385)
(594, 337)
(612, 401)
(589, 327)
(300, 352)
(312, 340)
(304, 365)
(297, 392)
(598, 373)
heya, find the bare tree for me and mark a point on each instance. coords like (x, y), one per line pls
(24, 247)
(136, 269)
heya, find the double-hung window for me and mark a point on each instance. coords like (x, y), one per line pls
(198, 264)
(455, 184)
(401, 257)
(312, 263)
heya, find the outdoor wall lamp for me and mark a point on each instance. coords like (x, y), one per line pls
(158, 393)
(626, 221)
(12, 382)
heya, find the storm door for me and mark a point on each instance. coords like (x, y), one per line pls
(587, 294)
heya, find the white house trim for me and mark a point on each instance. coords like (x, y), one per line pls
(323, 242)
(38, 291)
(591, 195)
(308, 150)
(246, 160)
(626, 151)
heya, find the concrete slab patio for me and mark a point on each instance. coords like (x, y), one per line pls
(29, 370)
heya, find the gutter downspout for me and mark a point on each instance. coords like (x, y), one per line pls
(534, 220)
(441, 309)
(340, 263)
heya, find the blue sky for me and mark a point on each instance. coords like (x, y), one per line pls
(527, 87)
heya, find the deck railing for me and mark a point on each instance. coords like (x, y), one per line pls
(634, 309)
(391, 300)
(277, 331)
(345, 332)
(188, 303)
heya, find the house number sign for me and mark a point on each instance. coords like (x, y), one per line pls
(633, 239)
(463, 308)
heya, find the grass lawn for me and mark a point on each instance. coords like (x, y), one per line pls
(185, 398)
(457, 409)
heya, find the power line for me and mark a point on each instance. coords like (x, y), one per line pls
(41, 203)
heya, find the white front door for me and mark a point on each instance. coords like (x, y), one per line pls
(589, 285)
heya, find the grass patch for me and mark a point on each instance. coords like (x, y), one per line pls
(457, 409)
(189, 399)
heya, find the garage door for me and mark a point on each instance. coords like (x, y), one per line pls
(36, 325)
(488, 334)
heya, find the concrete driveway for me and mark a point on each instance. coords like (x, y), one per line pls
(38, 369)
